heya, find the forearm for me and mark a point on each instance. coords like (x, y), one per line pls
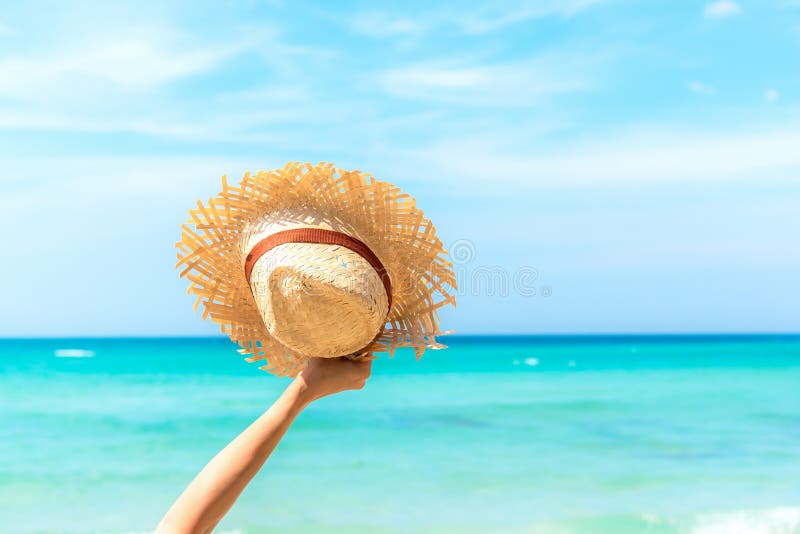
(212, 493)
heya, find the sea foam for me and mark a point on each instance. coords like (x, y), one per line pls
(778, 520)
(772, 520)
(74, 353)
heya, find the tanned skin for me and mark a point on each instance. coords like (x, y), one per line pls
(214, 490)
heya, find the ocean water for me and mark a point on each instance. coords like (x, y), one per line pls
(550, 435)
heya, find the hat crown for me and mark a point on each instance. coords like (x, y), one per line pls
(316, 299)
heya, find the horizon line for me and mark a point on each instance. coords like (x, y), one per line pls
(453, 336)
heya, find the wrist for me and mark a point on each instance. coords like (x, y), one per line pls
(301, 394)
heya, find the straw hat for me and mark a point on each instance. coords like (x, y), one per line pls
(312, 260)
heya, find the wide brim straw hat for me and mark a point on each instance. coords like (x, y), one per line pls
(315, 261)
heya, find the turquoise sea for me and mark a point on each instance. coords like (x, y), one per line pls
(504, 434)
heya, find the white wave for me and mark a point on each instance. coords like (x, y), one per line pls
(782, 520)
(533, 362)
(74, 353)
(778, 520)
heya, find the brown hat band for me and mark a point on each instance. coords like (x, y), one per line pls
(323, 237)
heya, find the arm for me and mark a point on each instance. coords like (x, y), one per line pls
(212, 493)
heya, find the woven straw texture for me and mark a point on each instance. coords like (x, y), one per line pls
(219, 234)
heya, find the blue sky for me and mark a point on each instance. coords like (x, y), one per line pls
(642, 157)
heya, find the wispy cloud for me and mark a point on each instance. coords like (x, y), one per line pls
(140, 60)
(239, 125)
(771, 95)
(128, 80)
(494, 16)
(114, 177)
(721, 9)
(477, 19)
(518, 83)
(702, 88)
(643, 156)
(381, 24)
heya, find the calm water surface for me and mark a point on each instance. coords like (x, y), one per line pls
(550, 435)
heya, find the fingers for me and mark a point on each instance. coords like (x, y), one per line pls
(363, 370)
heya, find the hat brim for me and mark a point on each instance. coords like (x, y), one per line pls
(211, 256)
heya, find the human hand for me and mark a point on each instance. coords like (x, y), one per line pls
(326, 376)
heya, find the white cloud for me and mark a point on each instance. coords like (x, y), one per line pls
(63, 122)
(376, 24)
(517, 83)
(481, 19)
(82, 181)
(290, 117)
(771, 95)
(492, 17)
(702, 88)
(130, 63)
(641, 156)
(722, 9)
(231, 123)
(118, 79)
